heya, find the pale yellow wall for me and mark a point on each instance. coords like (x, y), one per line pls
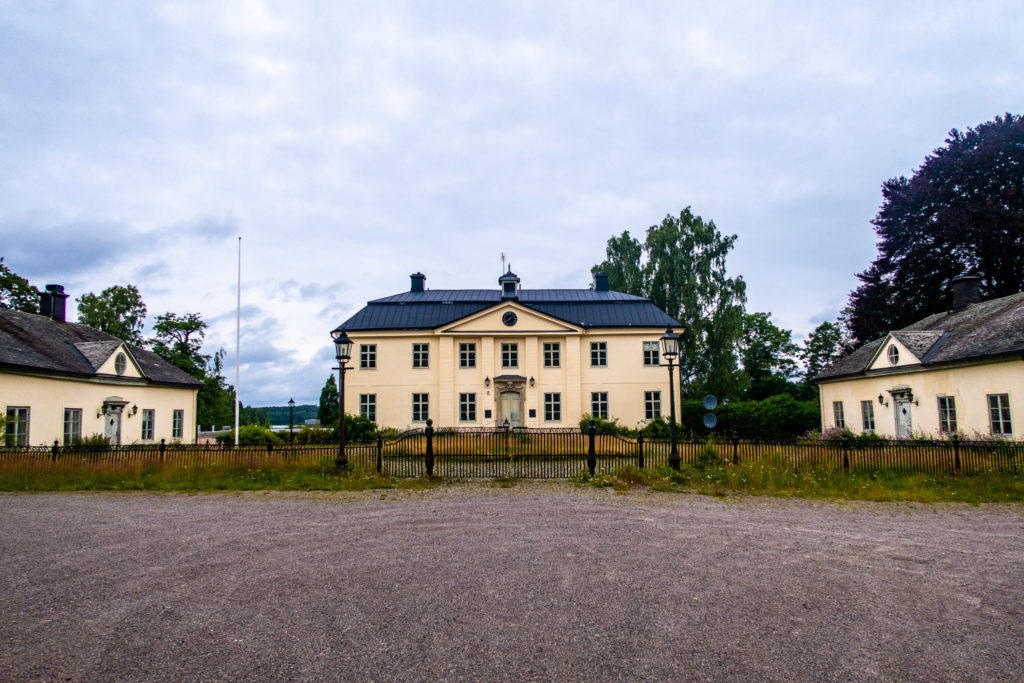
(47, 397)
(394, 380)
(881, 360)
(969, 385)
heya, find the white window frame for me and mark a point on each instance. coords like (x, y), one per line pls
(368, 406)
(509, 355)
(553, 407)
(178, 424)
(652, 354)
(552, 354)
(467, 407)
(839, 414)
(420, 355)
(599, 354)
(148, 419)
(16, 430)
(947, 414)
(420, 407)
(72, 426)
(999, 415)
(599, 404)
(367, 356)
(467, 354)
(867, 415)
(652, 405)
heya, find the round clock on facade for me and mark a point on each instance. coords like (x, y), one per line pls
(509, 318)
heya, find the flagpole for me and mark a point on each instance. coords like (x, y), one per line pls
(238, 335)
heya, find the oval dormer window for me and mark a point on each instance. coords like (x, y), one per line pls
(893, 354)
(120, 364)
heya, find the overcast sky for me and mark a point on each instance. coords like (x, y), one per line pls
(350, 144)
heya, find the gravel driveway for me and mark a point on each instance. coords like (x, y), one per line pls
(536, 582)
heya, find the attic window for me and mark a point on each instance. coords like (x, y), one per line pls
(893, 354)
(120, 364)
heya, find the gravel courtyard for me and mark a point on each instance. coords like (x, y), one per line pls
(535, 582)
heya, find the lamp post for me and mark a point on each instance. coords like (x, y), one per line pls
(343, 352)
(291, 420)
(670, 350)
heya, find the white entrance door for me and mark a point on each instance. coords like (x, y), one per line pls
(112, 426)
(508, 404)
(904, 426)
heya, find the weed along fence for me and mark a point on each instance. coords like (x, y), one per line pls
(545, 453)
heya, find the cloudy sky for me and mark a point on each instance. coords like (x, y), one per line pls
(350, 144)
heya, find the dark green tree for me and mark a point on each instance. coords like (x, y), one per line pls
(682, 262)
(16, 292)
(117, 310)
(769, 356)
(328, 412)
(825, 345)
(179, 340)
(963, 209)
(216, 398)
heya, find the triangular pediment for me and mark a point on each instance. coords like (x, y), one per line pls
(105, 357)
(887, 359)
(511, 318)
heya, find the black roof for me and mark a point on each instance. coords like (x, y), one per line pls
(989, 329)
(436, 307)
(31, 342)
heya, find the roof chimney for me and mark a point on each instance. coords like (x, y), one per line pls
(600, 282)
(53, 302)
(417, 282)
(966, 290)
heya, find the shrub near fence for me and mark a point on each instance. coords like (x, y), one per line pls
(547, 453)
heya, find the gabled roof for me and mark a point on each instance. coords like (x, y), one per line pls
(31, 342)
(436, 307)
(981, 331)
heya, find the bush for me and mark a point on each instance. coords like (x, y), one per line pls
(251, 435)
(603, 426)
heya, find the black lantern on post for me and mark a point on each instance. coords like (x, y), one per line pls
(343, 353)
(670, 350)
(291, 420)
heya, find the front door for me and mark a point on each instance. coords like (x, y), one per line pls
(112, 426)
(904, 426)
(509, 409)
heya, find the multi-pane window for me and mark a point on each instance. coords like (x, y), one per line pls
(420, 405)
(420, 355)
(177, 424)
(72, 425)
(599, 404)
(598, 354)
(552, 407)
(838, 415)
(510, 355)
(368, 406)
(867, 415)
(651, 353)
(947, 414)
(367, 356)
(16, 432)
(467, 355)
(999, 414)
(652, 405)
(552, 354)
(467, 407)
(148, 420)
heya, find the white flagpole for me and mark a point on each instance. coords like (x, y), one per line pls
(238, 335)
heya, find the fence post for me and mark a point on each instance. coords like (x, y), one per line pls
(270, 449)
(956, 453)
(53, 452)
(735, 449)
(163, 448)
(428, 459)
(591, 450)
(380, 449)
(846, 454)
(640, 449)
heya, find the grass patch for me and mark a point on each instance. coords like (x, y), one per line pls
(823, 482)
(265, 476)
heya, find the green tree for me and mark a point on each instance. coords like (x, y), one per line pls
(769, 356)
(825, 345)
(963, 209)
(216, 398)
(328, 412)
(117, 310)
(16, 292)
(178, 340)
(683, 268)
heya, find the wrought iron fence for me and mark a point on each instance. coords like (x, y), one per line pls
(548, 453)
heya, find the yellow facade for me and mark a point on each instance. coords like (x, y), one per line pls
(516, 392)
(918, 390)
(124, 399)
